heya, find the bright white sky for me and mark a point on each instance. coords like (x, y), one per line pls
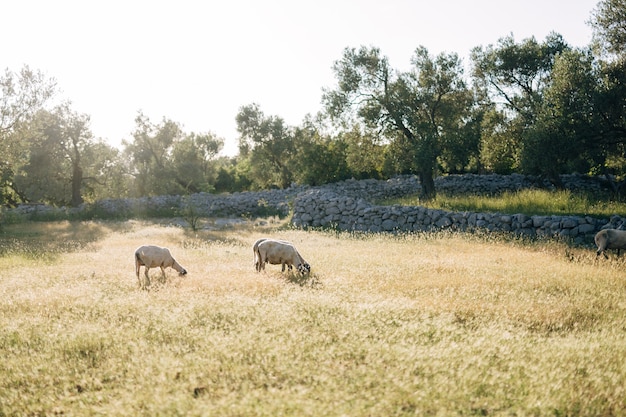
(198, 62)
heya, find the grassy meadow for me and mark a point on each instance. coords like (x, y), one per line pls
(408, 325)
(529, 201)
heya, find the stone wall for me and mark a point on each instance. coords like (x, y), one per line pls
(350, 205)
(324, 208)
(347, 210)
(204, 204)
(249, 203)
(496, 184)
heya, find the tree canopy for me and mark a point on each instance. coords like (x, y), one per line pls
(419, 111)
(531, 106)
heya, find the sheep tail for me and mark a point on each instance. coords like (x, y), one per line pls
(138, 262)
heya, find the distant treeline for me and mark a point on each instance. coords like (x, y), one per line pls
(532, 107)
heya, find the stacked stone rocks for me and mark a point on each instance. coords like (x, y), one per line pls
(494, 184)
(248, 203)
(350, 205)
(324, 208)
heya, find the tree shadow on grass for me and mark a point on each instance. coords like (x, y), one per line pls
(46, 240)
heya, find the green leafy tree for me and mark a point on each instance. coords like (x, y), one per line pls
(106, 172)
(71, 131)
(423, 107)
(193, 161)
(609, 29)
(320, 160)
(398, 156)
(166, 160)
(499, 151)
(23, 94)
(609, 42)
(562, 139)
(610, 107)
(513, 76)
(150, 157)
(364, 153)
(63, 158)
(232, 175)
(267, 144)
(460, 150)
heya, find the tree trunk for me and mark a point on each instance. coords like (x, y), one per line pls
(77, 180)
(428, 185)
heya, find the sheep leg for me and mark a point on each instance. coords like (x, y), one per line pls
(257, 261)
(163, 278)
(289, 267)
(146, 282)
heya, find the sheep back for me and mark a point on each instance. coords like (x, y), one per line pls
(280, 252)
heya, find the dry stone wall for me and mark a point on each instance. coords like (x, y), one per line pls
(322, 208)
(348, 211)
(350, 205)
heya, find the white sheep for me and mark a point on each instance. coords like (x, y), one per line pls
(610, 239)
(257, 260)
(280, 252)
(152, 256)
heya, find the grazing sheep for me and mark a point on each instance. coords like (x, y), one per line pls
(257, 260)
(280, 252)
(152, 256)
(610, 239)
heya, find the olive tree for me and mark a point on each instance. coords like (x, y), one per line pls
(563, 137)
(423, 108)
(64, 160)
(266, 147)
(609, 42)
(511, 77)
(149, 155)
(193, 161)
(22, 95)
(609, 29)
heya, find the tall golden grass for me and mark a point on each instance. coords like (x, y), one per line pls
(430, 324)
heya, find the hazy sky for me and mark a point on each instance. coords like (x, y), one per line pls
(198, 62)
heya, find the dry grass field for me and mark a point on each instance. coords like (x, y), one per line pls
(407, 325)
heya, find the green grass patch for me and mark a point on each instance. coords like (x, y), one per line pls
(530, 202)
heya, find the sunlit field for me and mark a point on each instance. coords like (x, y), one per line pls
(431, 324)
(528, 201)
